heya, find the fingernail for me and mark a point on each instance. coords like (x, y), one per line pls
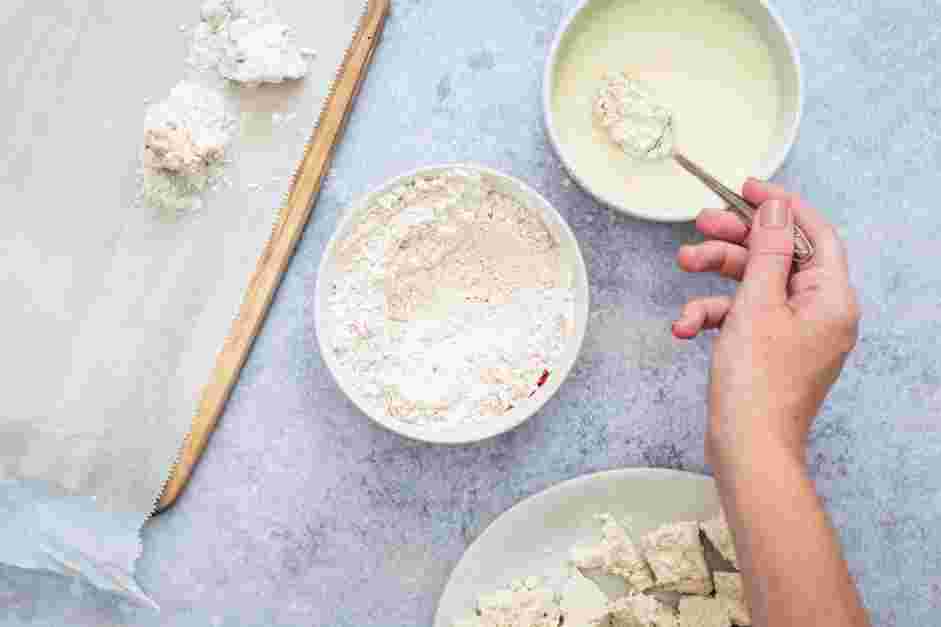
(775, 214)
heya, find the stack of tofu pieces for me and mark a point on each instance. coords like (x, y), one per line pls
(664, 565)
(669, 559)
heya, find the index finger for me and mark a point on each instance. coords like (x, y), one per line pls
(830, 252)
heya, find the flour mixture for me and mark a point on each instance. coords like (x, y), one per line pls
(246, 41)
(185, 138)
(449, 301)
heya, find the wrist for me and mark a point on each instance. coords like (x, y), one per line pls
(749, 444)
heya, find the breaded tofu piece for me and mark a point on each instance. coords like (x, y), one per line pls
(677, 558)
(719, 534)
(526, 603)
(641, 610)
(616, 554)
(583, 603)
(702, 612)
(730, 591)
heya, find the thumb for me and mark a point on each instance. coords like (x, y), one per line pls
(771, 254)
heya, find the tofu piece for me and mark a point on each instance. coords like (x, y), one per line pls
(583, 603)
(730, 591)
(526, 603)
(616, 554)
(719, 534)
(641, 610)
(702, 612)
(677, 558)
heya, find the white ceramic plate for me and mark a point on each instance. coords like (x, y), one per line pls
(464, 433)
(692, 53)
(534, 537)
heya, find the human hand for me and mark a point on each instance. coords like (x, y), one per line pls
(786, 333)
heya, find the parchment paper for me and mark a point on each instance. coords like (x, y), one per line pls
(112, 317)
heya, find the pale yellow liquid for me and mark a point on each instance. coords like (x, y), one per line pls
(706, 62)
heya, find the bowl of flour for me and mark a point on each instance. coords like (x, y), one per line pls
(451, 303)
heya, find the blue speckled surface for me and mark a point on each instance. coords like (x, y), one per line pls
(303, 512)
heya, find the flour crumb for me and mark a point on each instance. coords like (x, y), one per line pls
(280, 119)
(185, 138)
(450, 302)
(246, 42)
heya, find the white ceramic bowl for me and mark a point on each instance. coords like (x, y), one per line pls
(464, 433)
(785, 60)
(535, 536)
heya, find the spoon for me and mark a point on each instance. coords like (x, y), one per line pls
(645, 130)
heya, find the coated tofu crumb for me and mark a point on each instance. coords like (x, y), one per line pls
(730, 591)
(677, 558)
(640, 610)
(616, 554)
(702, 612)
(525, 603)
(719, 534)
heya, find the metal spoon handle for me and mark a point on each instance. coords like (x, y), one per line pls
(803, 247)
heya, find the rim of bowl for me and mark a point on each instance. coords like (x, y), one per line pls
(473, 432)
(772, 164)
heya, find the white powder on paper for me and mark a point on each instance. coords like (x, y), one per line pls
(246, 41)
(641, 127)
(185, 137)
(450, 302)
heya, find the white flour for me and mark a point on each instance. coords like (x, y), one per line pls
(185, 137)
(246, 42)
(449, 301)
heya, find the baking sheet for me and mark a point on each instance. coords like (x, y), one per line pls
(113, 315)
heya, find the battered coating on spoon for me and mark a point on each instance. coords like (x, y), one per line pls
(641, 127)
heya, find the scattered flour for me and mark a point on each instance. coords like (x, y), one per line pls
(185, 137)
(642, 128)
(449, 301)
(246, 42)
